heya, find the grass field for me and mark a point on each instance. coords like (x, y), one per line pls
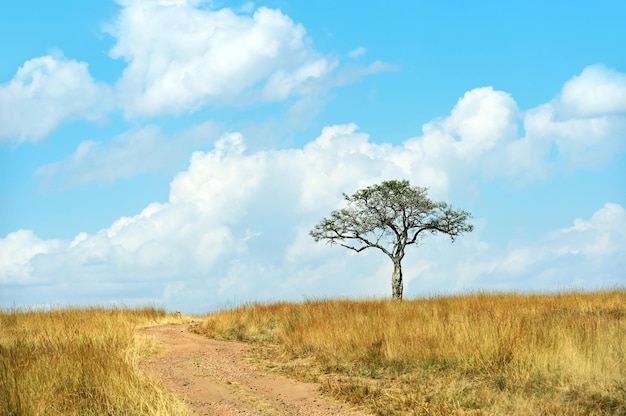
(79, 362)
(478, 354)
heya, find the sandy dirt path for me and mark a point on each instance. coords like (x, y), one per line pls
(213, 378)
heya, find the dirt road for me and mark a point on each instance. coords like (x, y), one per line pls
(214, 379)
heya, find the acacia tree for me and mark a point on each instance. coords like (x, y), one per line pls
(390, 216)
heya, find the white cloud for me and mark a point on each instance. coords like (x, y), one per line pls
(597, 91)
(17, 252)
(472, 139)
(182, 56)
(487, 134)
(235, 225)
(588, 255)
(235, 228)
(481, 119)
(603, 234)
(231, 216)
(47, 92)
(585, 123)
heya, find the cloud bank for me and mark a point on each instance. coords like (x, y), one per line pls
(235, 225)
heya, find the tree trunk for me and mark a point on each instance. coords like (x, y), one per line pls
(396, 281)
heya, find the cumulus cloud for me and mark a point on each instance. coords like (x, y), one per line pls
(181, 56)
(585, 123)
(235, 228)
(587, 255)
(597, 91)
(212, 57)
(230, 218)
(602, 235)
(481, 126)
(47, 92)
(235, 225)
(18, 252)
(487, 133)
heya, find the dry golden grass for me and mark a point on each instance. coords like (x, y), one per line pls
(80, 362)
(482, 354)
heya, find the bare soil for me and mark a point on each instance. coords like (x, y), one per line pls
(214, 378)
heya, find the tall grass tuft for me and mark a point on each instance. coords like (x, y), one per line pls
(79, 362)
(514, 354)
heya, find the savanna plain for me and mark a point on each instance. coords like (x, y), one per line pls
(473, 354)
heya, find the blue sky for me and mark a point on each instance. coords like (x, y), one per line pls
(178, 151)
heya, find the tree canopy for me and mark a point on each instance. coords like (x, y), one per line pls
(390, 216)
